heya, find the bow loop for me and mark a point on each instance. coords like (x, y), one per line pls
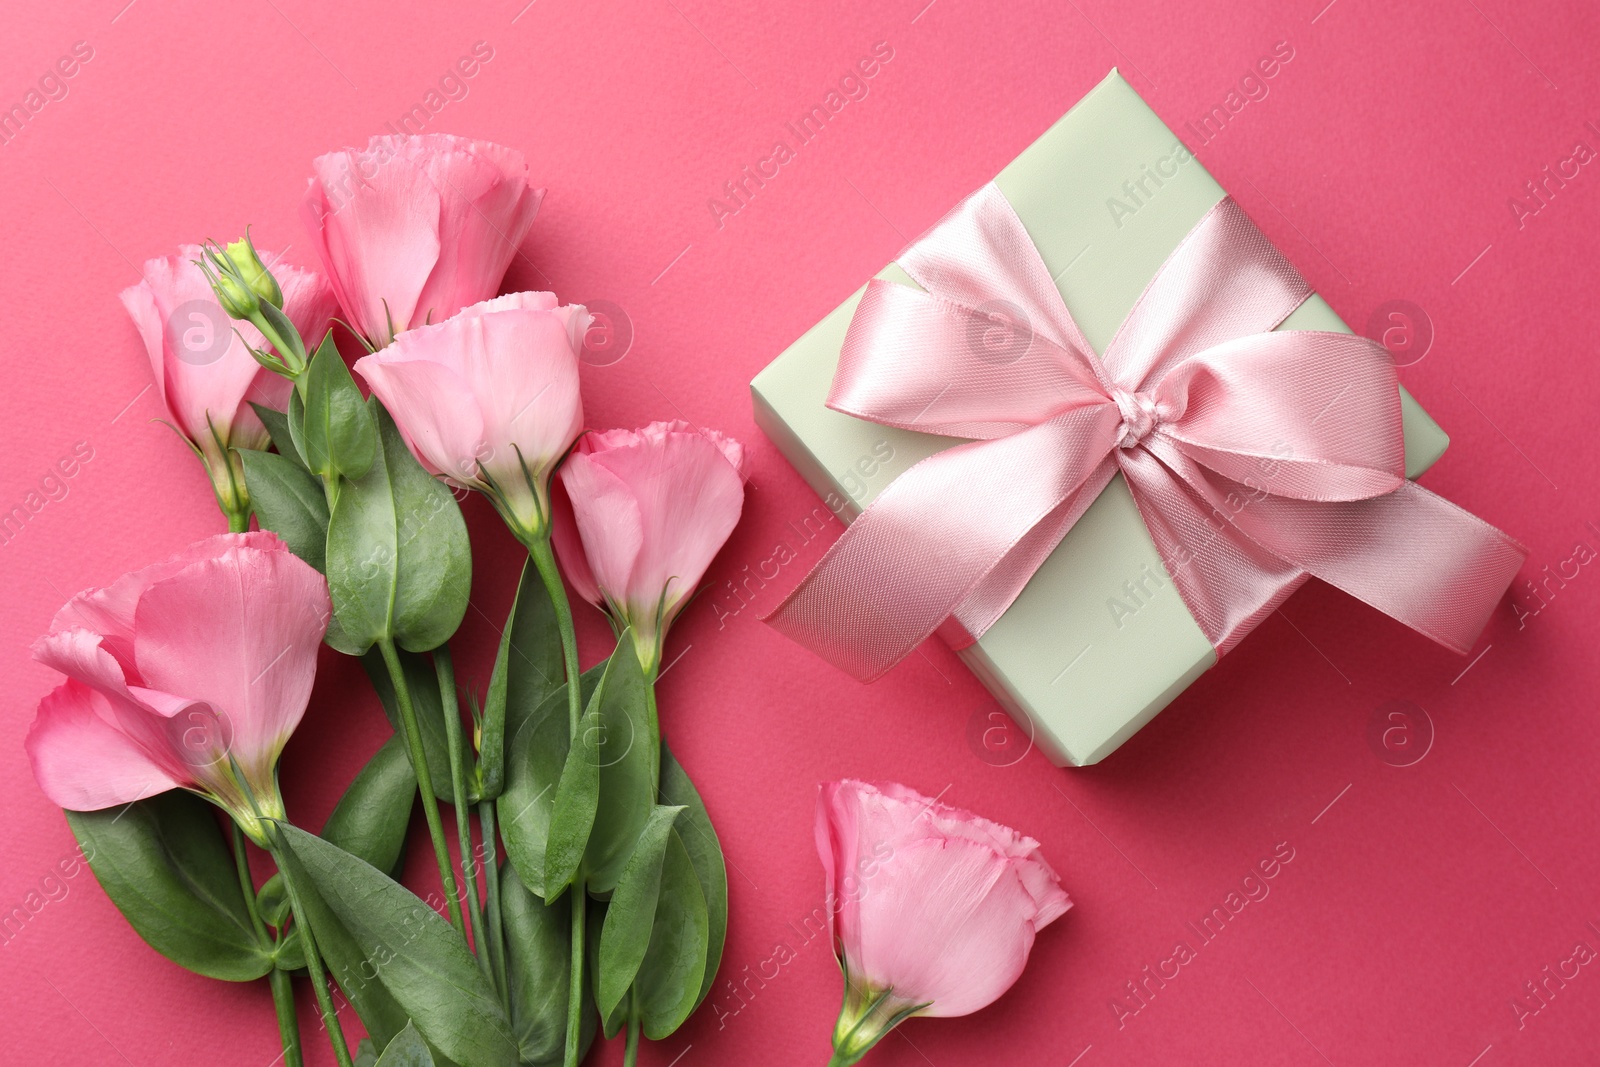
(1224, 280)
(1314, 416)
(921, 362)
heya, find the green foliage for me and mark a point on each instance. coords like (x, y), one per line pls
(398, 562)
(167, 866)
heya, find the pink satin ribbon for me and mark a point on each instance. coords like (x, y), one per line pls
(1255, 457)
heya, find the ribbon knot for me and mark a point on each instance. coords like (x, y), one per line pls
(1140, 416)
(1263, 455)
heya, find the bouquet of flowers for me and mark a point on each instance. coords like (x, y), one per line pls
(185, 679)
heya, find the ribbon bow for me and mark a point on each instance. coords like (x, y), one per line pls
(1255, 457)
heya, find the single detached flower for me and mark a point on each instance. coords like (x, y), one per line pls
(189, 674)
(650, 510)
(202, 361)
(413, 229)
(934, 909)
(489, 399)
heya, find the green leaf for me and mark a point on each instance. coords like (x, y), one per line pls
(366, 1053)
(705, 853)
(358, 971)
(417, 957)
(295, 416)
(277, 424)
(629, 765)
(536, 751)
(168, 868)
(398, 561)
(424, 685)
(339, 436)
(289, 501)
(671, 975)
(406, 1050)
(632, 911)
(612, 1022)
(290, 953)
(539, 963)
(371, 819)
(527, 669)
(272, 901)
(576, 799)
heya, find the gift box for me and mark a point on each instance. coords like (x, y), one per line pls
(1099, 640)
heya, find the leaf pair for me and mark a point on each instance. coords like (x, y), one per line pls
(536, 751)
(394, 546)
(652, 954)
(396, 959)
(527, 669)
(539, 958)
(666, 924)
(398, 562)
(607, 788)
(166, 865)
(335, 432)
(568, 804)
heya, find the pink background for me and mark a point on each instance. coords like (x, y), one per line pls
(1419, 898)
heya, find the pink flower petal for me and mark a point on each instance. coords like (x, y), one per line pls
(202, 367)
(935, 903)
(109, 611)
(425, 400)
(81, 761)
(486, 210)
(569, 546)
(494, 387)
(607, 514)
(378, 236)
(427, 225)
(946, 923)
(689, 498)
(239, 632)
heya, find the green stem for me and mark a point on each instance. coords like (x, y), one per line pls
(630, 1048)
(247, 885)
(445, 669)
(288, 1023)
(277, 980)
(319, 977)
(491, 876)
(544, 558)
(419, 764)
(239, 521)
(575, 972)
(655, 735)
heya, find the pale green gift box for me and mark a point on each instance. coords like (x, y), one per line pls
(1099, 640)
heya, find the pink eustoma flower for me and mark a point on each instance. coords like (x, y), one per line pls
(933, 909)
(203, 367)
(489, 399)
(650, 510)
(189, 674)
(413, 229)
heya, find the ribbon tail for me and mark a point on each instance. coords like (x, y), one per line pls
(994, 595)
(1228, 582)
(1413, 555)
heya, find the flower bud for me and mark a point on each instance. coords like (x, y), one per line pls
(236, 298)
(252, 272)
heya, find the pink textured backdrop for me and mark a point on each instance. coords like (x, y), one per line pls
(1419, 898)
